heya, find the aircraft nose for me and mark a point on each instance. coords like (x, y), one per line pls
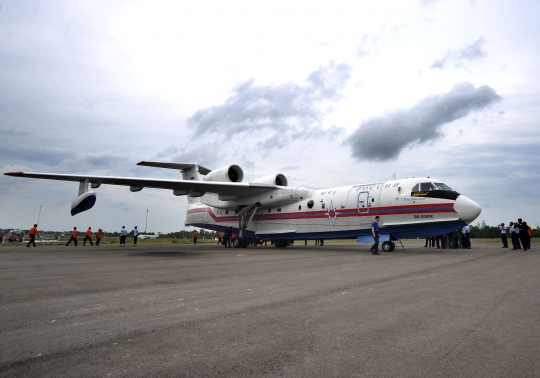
(467, 209)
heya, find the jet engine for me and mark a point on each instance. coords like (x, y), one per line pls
(83, 202)
(229, 173)
(277, 179)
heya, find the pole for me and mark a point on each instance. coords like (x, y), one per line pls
(146, 225)
(39, 215)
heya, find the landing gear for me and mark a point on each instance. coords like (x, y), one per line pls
(240, 242)
(281, 243)
(388, 246)
(243, 221)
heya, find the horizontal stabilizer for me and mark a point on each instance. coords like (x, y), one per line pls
(179, 166)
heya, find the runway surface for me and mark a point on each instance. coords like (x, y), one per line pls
(304, 311)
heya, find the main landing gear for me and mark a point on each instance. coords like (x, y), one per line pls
(243, 222)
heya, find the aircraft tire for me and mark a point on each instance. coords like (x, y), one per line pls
(392, 247)
(238, 242)
(386, 246)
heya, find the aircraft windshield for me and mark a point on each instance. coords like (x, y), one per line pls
(434, 190)
(442, 186)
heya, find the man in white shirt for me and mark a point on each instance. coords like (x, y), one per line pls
(503, 235)
(135, 235)
(466, 237)
(123, 234)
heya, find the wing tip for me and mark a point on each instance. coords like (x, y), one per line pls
(14, 173)
(141, 162)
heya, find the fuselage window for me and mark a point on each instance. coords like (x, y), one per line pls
(299, 207)
(323, 205)
(310, 204)
(279, 210)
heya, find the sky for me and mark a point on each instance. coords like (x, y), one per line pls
(326, 93)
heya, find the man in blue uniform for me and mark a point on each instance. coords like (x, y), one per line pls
(375, 232)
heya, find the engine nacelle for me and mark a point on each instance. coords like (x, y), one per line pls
(229, 173)
(83, 202)
(277, 179)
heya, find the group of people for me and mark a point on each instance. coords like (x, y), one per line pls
(87, 237)
(519, 232)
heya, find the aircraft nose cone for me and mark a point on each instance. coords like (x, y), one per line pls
(467, 209)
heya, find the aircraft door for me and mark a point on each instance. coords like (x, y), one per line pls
(205, 216)
(358, 205)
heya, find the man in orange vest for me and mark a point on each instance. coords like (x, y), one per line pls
(88, 236)
(220, 238)
(73, 237)
(33, 234)
(99, 236)
(195, 236)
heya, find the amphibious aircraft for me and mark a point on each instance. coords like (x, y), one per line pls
(268, 208)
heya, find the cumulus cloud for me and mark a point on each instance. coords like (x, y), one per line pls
(383, 138)
(470, 52)
(284, 109)
(256, 119)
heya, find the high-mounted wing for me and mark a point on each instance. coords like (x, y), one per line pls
(136, 184)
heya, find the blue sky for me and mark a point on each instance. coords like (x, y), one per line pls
(326, 93)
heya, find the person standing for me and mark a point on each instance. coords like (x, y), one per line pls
(33, 234)
(195, 237)
(220, 238)
(503, 235)
(529, 231)
(523, 233)
(135, 235)
(88, 237)
(99, 236)
(451, 240)
(73, 237)
(514, 231)
(123, 234)
(375, 233)
(466, 237)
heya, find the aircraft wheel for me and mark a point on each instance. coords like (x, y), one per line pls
(245, 243)
(237, 242)
(392, 247)
(386, 246)
(281, 243)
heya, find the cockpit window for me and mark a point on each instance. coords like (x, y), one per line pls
(427, 186)
(434, 190)
(442, 186)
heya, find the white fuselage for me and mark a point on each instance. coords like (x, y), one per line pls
(342, 212)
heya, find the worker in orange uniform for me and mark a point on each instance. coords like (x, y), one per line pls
(88, 236)
(99, 236)
(220, 238)
(73, 237)
(195, 236)
(33, 234)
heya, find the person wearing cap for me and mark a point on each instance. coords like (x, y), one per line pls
(123, 234)
(135, 235)
(99, 236)
(33, 234)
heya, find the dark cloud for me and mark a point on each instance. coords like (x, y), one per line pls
(470, 52)
(383, 138)
(274, 112)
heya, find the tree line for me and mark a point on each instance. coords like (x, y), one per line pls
(482, 231)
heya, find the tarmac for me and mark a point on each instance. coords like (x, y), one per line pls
(303, 311)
